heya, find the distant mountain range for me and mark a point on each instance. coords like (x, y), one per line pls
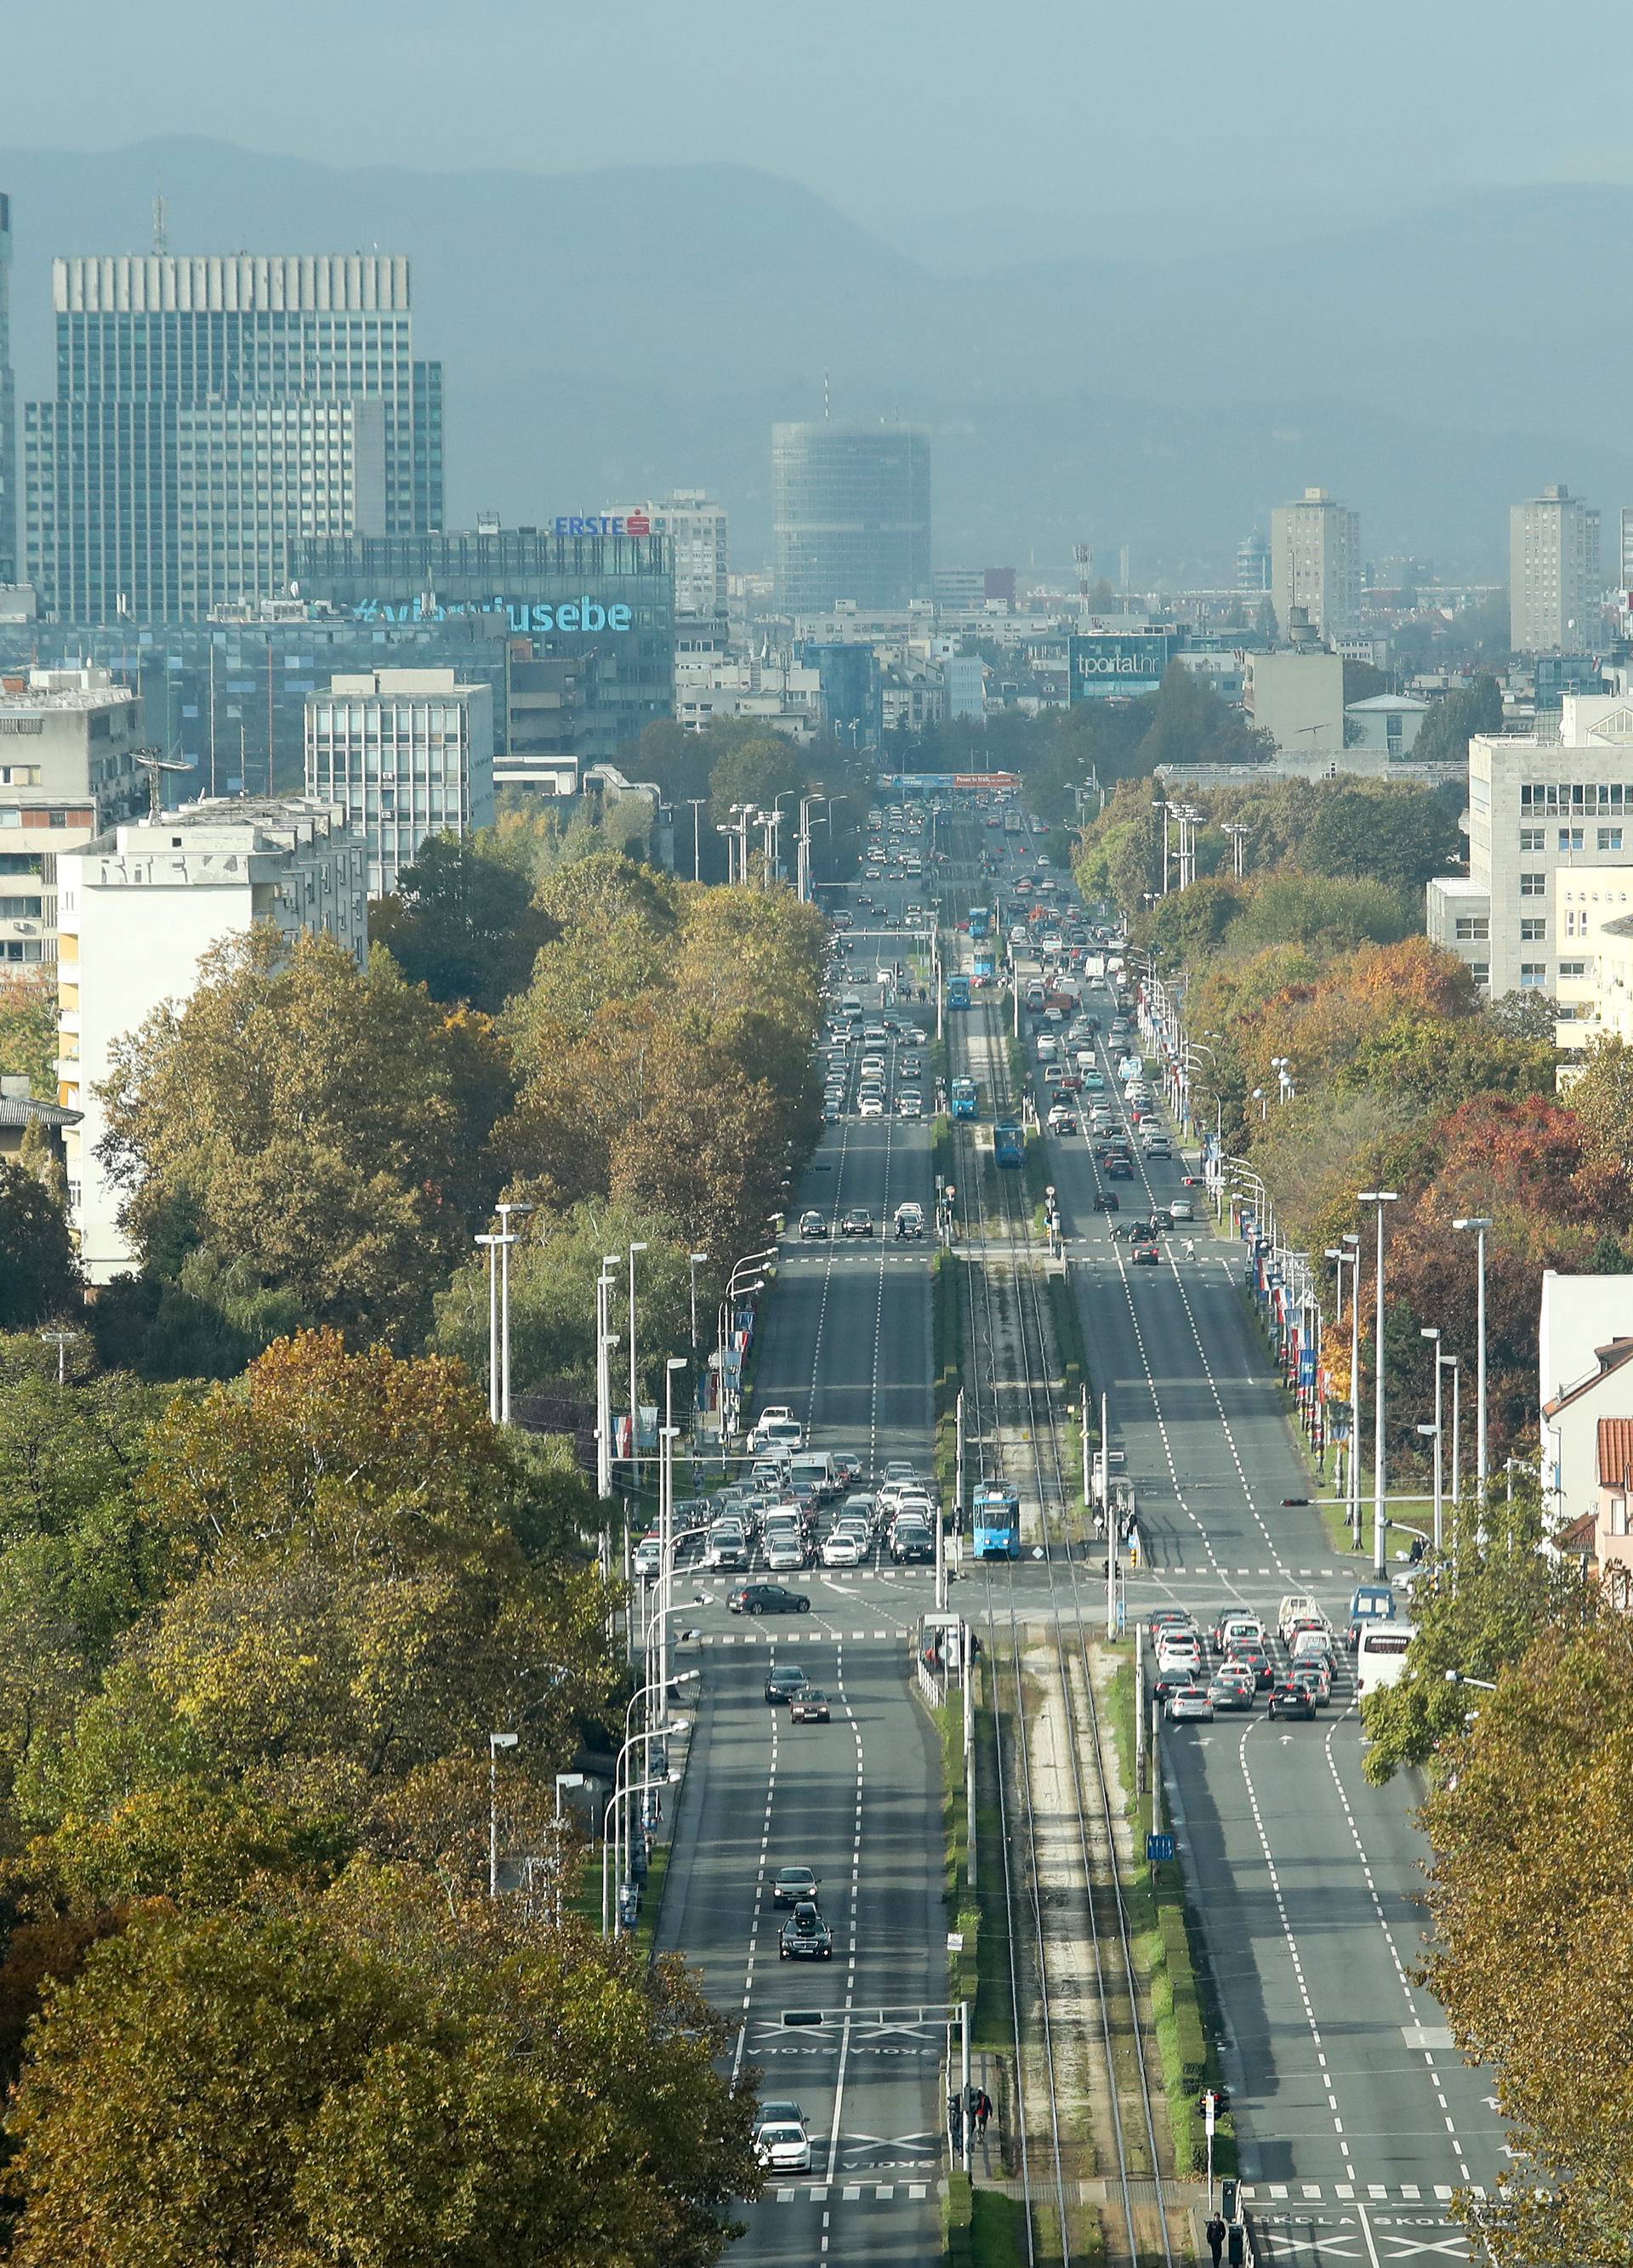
(610, 333)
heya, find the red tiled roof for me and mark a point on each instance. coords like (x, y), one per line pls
(1615, 1451)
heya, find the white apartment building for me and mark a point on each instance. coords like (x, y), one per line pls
(138, 907)
(1540, 810)
(69, 742)
(1593, 915)
(699, 542)
(406, 754)
(1315, 563)
(1555, 597)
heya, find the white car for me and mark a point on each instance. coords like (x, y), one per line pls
(843, 1549)
(910, 1106)
(784, 2149)
(785, 1554)
(871, 1106)
(1181, 1209)
(647, 1556)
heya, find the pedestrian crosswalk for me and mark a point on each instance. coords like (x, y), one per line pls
(770, 1636)
(857, 2193)
(1265, 2193)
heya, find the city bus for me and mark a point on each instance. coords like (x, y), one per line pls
(1381, 1655)
(964, 1098)
(996, 1520)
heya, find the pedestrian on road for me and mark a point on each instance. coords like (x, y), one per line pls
(1215, 2235)
(954, 2122)
(1190, 1248)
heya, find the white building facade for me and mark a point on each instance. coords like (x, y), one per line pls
(699, 534)
(407, 754)
(1540, 809)
(1315, 562)
(1554, 583)
(69, 744)
(137, 909)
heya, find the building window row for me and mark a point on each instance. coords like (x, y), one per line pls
(1565, 795)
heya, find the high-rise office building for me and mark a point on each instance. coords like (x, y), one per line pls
(405, 754)
(1315, 563)
(1554, 594)
(851, 514)
(8, 406)
(208, 412)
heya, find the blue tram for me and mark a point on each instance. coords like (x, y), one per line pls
(1009, 1143)
(996, 1520)
(964, 1098)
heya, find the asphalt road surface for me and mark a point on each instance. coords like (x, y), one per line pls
(846, 1342)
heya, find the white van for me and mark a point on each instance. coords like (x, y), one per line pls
(816, 1465)
(771, 1432)
(1313, 1645)
(1296, 1607)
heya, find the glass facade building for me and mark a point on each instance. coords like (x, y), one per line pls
(604, 602)
(211, 411)
(851, 516)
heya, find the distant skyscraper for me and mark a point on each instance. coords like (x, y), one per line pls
(1315, 562)
(1554, 593)
(8, 406)
(851, 514)
(1626, 569)
(1253, 563)
(208, 412)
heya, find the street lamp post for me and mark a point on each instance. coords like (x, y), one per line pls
(1380, 1563)
(606, 1339)
(1431, 1332)
(1480, 1223)
(1432, 1432)
(694, 1261)
(492, 1245)
(507, 1238)
(496, 1741)
(634, 1388)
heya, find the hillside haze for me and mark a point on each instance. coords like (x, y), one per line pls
(609, 333)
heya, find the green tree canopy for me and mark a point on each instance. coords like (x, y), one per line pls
(39, 1275)
(462, 922)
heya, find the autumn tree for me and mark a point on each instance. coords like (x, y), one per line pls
(320, 1128)
(1530, 1823)
(363, 2081)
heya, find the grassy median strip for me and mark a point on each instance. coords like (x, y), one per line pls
(947, 1304)
(1166, 1942)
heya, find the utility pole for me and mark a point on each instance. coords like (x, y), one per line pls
(1380, 1556)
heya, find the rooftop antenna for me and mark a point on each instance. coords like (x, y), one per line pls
(155, 766)
(161, 232)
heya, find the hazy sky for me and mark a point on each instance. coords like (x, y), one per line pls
(895, 109)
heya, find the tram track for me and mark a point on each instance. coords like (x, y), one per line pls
(1023, 1444)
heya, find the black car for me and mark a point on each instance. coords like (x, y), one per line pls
(1106, 1201)
(767, 1598)
(1118, 1169)
(783, 1684)
(857, 1222)
(813, 1224)
(1145, 1255)
(1292, 1701)
(806, 1936)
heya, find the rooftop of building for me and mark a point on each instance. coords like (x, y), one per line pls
(64, 690)
(1460, 886)
(235, 826)
(1376, 704)
(391, 684)
(1615, 1451)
